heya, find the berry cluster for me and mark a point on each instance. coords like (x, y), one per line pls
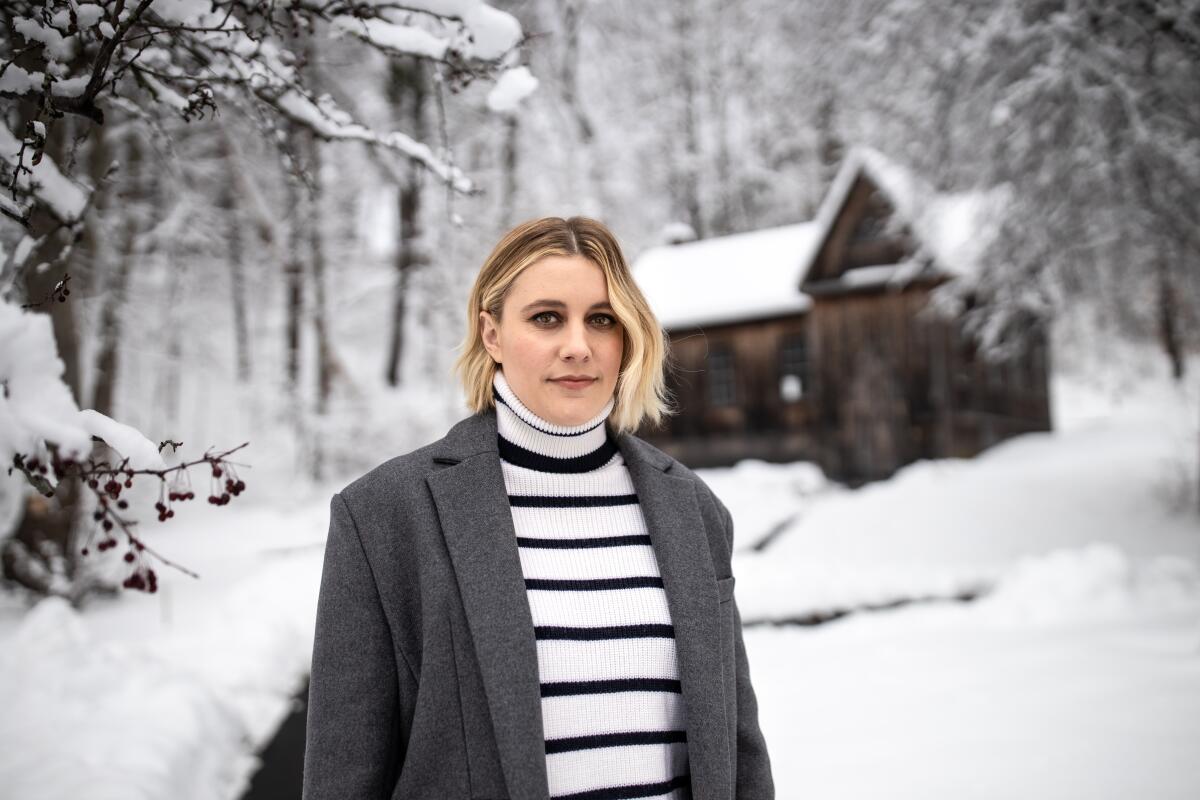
(232, 487)
(143, 579)
(108, 482)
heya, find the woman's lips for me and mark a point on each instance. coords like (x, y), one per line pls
(575, 384)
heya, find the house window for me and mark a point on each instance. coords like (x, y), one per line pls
(721, 378)
(793, 368)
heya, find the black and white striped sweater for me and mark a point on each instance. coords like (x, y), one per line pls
(612, 711)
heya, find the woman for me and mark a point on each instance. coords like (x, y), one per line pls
(540, 604)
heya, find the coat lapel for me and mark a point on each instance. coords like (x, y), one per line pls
(681, 548)
(476, 522)
(473, 509)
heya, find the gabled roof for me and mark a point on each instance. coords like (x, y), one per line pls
(733, 278)
(759, 274)
(950, 229)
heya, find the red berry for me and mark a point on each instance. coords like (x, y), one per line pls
(83, 552)
(107, 524)
(216, 471)
(122, 504)
(128, 483)
(129, 557)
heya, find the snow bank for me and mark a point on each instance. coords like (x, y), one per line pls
(85, 718)
(123, 702)
(940, 529)
(1094, 583)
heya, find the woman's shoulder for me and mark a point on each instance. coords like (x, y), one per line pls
(669, 464)
(407, 471)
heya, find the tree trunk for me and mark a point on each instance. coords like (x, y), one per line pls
(687, 179)
(42, 553)
(235, 255)
(1168, 317)
(508, 188)
(407, 93)
(317, 262)
(132, 200)
(293, 271)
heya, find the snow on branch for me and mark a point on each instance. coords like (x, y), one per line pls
(30, 175)
(36, 406)
(185, 55)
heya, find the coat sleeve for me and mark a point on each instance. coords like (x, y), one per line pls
(352, 746)
(753, 780)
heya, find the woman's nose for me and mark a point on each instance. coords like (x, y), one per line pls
(576, 344)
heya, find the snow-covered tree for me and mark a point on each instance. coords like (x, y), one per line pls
(110, 75)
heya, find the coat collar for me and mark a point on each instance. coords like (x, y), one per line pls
(476, 521)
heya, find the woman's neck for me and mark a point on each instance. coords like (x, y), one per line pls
(516, 423)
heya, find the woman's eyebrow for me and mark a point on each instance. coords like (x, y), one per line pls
(603, 304)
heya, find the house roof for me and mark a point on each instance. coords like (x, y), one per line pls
(756, 275)
(732, 278)
(952, 229)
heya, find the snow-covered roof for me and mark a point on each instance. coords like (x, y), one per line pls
(758, 274)
(728, 278)
(952, 228)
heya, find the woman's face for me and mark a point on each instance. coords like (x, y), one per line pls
(556, 323)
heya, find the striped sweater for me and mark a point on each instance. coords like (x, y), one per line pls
(612, 711)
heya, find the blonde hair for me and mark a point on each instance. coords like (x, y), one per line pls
(641, 392)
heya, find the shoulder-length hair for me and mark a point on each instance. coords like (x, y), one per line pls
(640, 393)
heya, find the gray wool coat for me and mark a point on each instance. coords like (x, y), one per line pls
(424, 670)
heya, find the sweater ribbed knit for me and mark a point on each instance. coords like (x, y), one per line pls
(612, 711)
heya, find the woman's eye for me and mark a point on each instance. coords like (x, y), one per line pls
(551, 317)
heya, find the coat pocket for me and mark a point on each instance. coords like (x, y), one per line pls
(725, 589)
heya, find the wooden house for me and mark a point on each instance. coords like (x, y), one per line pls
(814, 341)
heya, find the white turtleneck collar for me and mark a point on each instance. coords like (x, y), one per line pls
(520, 426)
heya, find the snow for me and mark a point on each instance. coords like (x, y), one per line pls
(334, 126)
(1076, 674)
(728, 278)
(17, 81)
(37, 407)
(953, 228)
(940, 528)
(393, 38)
(87, 14)
(131, 443)
(513, 86)
(63, 197)
(771, 264)
(494, 32)
(56, 45)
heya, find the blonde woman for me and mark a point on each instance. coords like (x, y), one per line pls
(540, 604)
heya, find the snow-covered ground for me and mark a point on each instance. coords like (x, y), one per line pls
(1077, 674)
